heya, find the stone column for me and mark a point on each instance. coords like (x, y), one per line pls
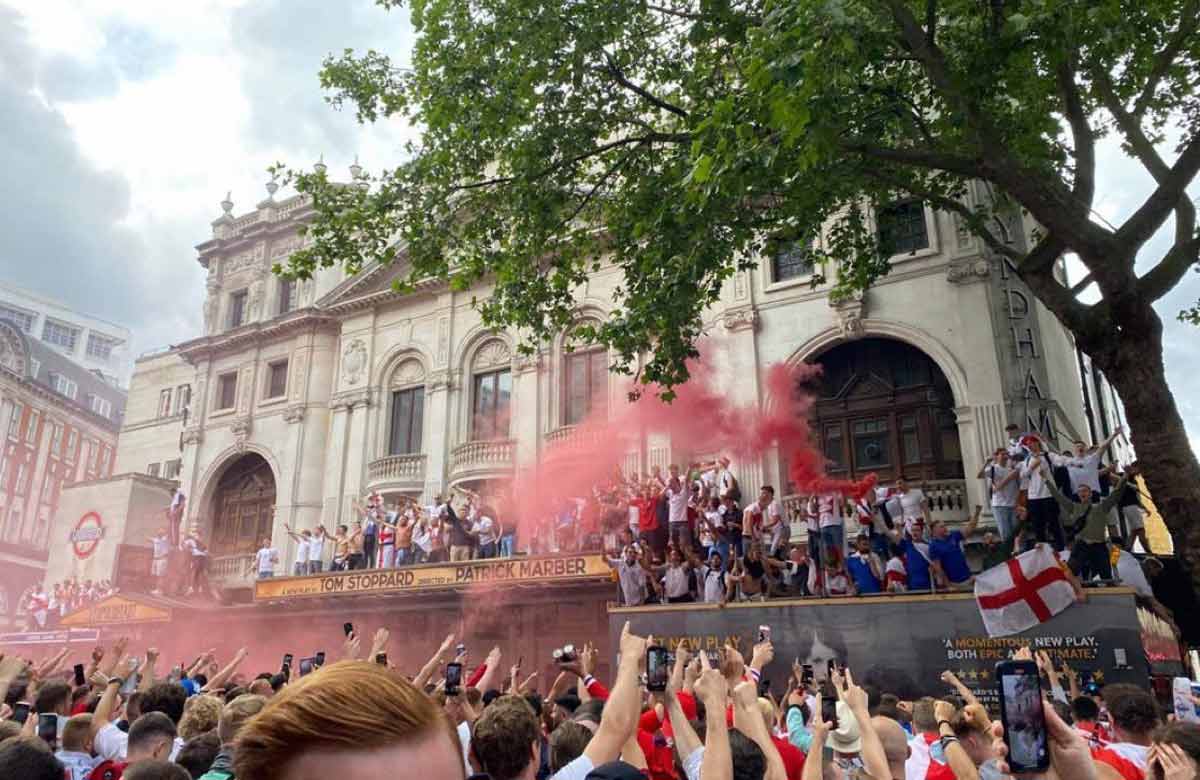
(525, 425)
(437, 446)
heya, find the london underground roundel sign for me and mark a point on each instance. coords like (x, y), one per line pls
(87, 535)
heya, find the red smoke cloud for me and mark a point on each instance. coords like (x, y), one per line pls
(701, 421)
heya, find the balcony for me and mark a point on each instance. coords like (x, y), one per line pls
(486, 459)
(397, 472)
(232, 571)
(947, 501)
(570, 440)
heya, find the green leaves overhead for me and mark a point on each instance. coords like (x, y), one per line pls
(675, 138)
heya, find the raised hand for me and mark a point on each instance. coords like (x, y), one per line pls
(710, 686)
(854, 696)
(351, 647)
(379, 645)
(764, 653)
(588, 659)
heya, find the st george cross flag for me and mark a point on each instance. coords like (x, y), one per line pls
(1022, 592)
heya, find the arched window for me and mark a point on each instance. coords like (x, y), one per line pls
(585, 385)
(407, 408)
(491, 391)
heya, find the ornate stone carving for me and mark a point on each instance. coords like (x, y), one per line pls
(409, 372)
(12, 353)
(251, 258)
(976, 269)
(349, 399)
(494, 354)
(211, 304)
(298, 366)
(443, 339)
(193, 435)
(850, 312)
(241, 431)
(439, 381)
(523, 364)
(293, 414)
(354, 361)
(740, 319)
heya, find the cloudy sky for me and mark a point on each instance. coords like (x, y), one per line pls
(126, 122)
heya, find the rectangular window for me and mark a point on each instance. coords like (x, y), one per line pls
(60, 335)
(183, 397)
(32, 429)
(227, 390)
(22, 318)
(237, 308)
(72, 443)
(47, 488)
(14, 422)
(102, 469)
(491, 398)
(164, 403)
(277, 379)
(22, 472)
(152, 469)
(100, 347)
(792, 261)
(55, 439)
(902, 227)
(586, 389)
(172, 468)
(408, 410)
(910, 442)
(287, 295)
(92, 453)
(64, 386)
(35, 367)
(834, 448)
(871, 448)
(101, 406)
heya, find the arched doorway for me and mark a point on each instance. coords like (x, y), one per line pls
(884, 406)
(243, 506)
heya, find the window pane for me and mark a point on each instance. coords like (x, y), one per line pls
(418, 419)
(598, 403)
(792, 261)
(833, 446)
(278, 383)
(871, 444)
(577, 388)
(909, 440)
(902, 227)
(401, 420)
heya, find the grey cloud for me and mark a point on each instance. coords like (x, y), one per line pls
(129, 53)
(282, 44)
(60, 215)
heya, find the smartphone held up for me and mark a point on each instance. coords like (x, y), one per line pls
(657, 668)
(1020, 689)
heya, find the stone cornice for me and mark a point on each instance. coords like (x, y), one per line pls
(254, 332)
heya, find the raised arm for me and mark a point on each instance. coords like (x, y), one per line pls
(747, 718)
(973, 521)
(108, 700)
(873, 756)
(718, 758)
(1114, 495)
(220, 678)
(148, 676)
(621, 712)
(433, 663)
(956, 755)
(952, 680)
(491, 673)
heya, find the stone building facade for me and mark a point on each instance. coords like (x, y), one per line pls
(301, 396)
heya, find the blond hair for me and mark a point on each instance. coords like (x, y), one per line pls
(77, 732)
(200, 714)
(349, 706)
(236, 713)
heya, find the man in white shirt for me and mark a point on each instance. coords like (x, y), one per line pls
(1084, 466)
(1004, 483)
(316, 550)
(1043, 509)
(914, 508)
(677, 495)
(76, 751)
(632, 573)
(160, 545)
(484, 530)
(265, 559)
(1017, 452)
(712, 579)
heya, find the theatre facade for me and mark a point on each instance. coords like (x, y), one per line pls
(300, 397)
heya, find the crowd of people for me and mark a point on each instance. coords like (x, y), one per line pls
(45, 608)
(709, 715)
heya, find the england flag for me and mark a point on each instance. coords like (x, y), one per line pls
(1023, 592)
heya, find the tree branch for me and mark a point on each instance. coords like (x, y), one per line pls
(920, 158)
(1189, 20)
(1081, 285)
(673, 12)
(931, 11)
(1084, 188)
(619, 76)
(1160, 279)
(1172, 188)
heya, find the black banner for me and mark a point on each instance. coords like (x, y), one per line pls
(903, 644)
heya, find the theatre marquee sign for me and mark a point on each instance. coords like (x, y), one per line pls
(447, 576)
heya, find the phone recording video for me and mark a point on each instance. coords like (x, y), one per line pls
(348, 628)
(806, 674)
(319, 659)
(287, 662)
(306, 666)
(829, 700)
(79, 678)
(657, 668)
(764, 634)
(1021, 713)
(20, 712)
(47, 727)
(453, 679)
(381, 659)
(830, 665)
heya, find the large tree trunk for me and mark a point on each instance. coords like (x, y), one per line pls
(1132, 360)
